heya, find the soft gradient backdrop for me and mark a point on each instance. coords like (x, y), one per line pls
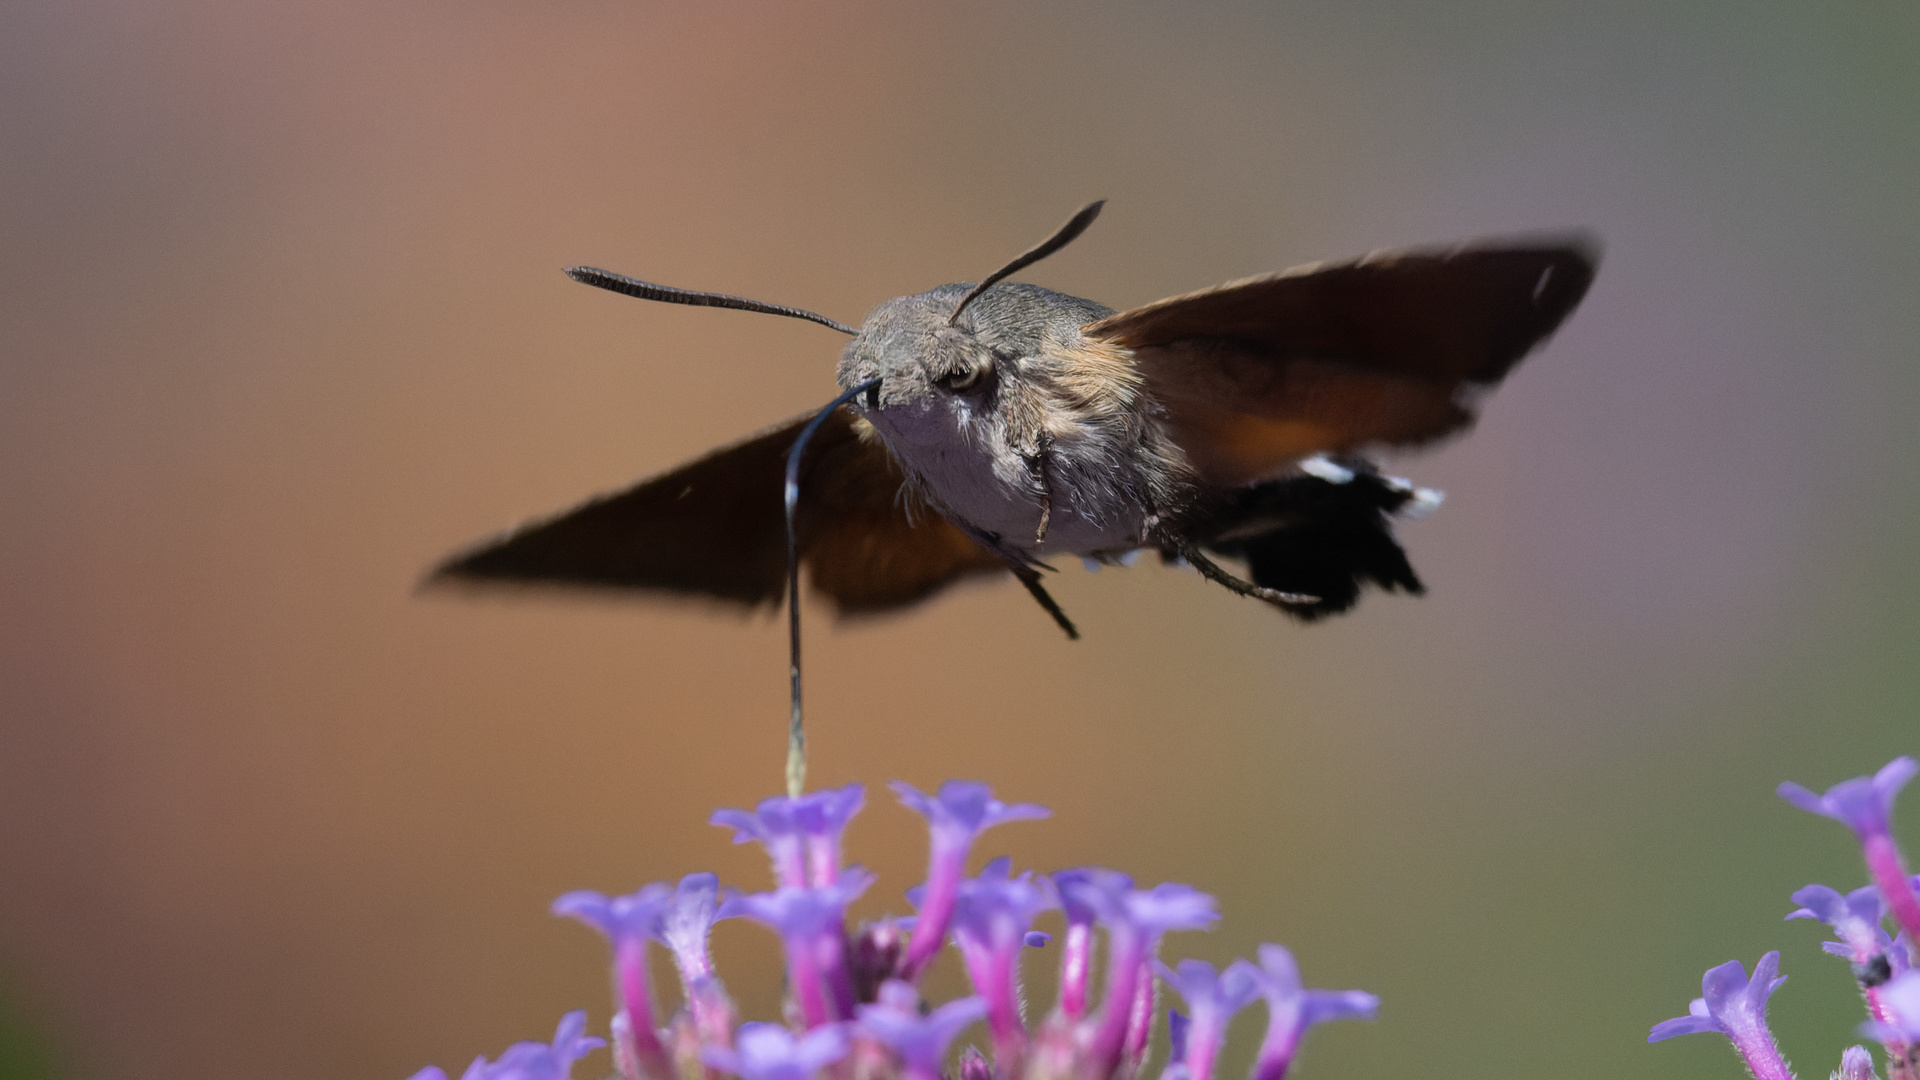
(281, 322)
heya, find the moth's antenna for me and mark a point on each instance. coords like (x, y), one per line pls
(1061, 238)
(796, 731)
(667, 294)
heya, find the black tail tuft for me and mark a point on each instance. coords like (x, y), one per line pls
(1305, 534)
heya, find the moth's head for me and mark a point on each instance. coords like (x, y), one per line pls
(958, 342)
(922, 354)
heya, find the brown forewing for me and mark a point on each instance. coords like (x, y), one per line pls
(715, 528)
(1256, 374)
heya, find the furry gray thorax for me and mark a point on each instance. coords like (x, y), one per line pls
(1014, 425)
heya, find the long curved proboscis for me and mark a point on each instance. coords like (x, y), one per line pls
(1061, 238)
(796, 730)
(667, 294)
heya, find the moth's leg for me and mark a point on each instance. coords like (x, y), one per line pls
(1213, 572)
(1037, 465)
(1031, 579)
(1027, 570)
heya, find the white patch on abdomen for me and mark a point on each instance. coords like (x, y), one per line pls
(989, 488)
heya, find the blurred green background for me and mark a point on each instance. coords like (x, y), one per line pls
(281, 322)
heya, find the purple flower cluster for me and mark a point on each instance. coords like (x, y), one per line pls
(854, 1009)
(1733, 1005)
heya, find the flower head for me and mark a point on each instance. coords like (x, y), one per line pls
(964, 807)
(959, 813)
(771, 1052)
(1863, 804)
(1206, 990)
(627, 922)
(1855, 1064)
(803, 912)
(1212, 998)
(991, 916)
(920, 1041)
(1076, 954)
(1854, 918)
(635, 916)
(1292, 1009)
(811, 923)
(538, 1060)
(801, 835)
(1735, 1006)
(851, 997)
(684, 922)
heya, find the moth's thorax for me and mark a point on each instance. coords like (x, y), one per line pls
(1013, 416)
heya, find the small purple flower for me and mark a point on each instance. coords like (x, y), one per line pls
(685, 921)
(1212, 998)
(823, 817)
(1900, 1004)
(1076, 954)
(1037, 939)
(1292, 1009)
(544, 1061)
(1856, 1064)
(1865, 805)
(1736, 1007)
(636, 915)
(990, 920)
(920, 1041)
(961, 811)
(801, 836)
(1854, 918)
(1135, 919)
(770, 1052)
(628, 922)
(811, 923)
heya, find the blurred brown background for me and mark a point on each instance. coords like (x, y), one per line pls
(281, 322)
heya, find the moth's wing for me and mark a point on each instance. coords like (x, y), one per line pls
(1389, 349)
(715, 528)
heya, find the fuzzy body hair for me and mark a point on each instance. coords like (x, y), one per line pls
(1016, 425)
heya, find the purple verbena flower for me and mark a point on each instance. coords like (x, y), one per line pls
(1854, 918)
(628, 922)
(811, 923)
(919, 1041)
(893, 1036)
(1735, 1006)
(1292, 1009)
(1076, 953)
(1212, 998)
(990, 919)
(1855, 1064)
(533, 1060)
(685, 921)
(1134, 919)
(770, 1052)
(961, 811)
(1865, 805)
(801, 836)
(823, 818)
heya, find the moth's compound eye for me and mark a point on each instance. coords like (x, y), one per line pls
(965, 374)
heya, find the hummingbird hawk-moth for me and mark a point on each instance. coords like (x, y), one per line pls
(999, 425)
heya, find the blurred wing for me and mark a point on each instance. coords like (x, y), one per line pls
(715, 528)
(1389, 349)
